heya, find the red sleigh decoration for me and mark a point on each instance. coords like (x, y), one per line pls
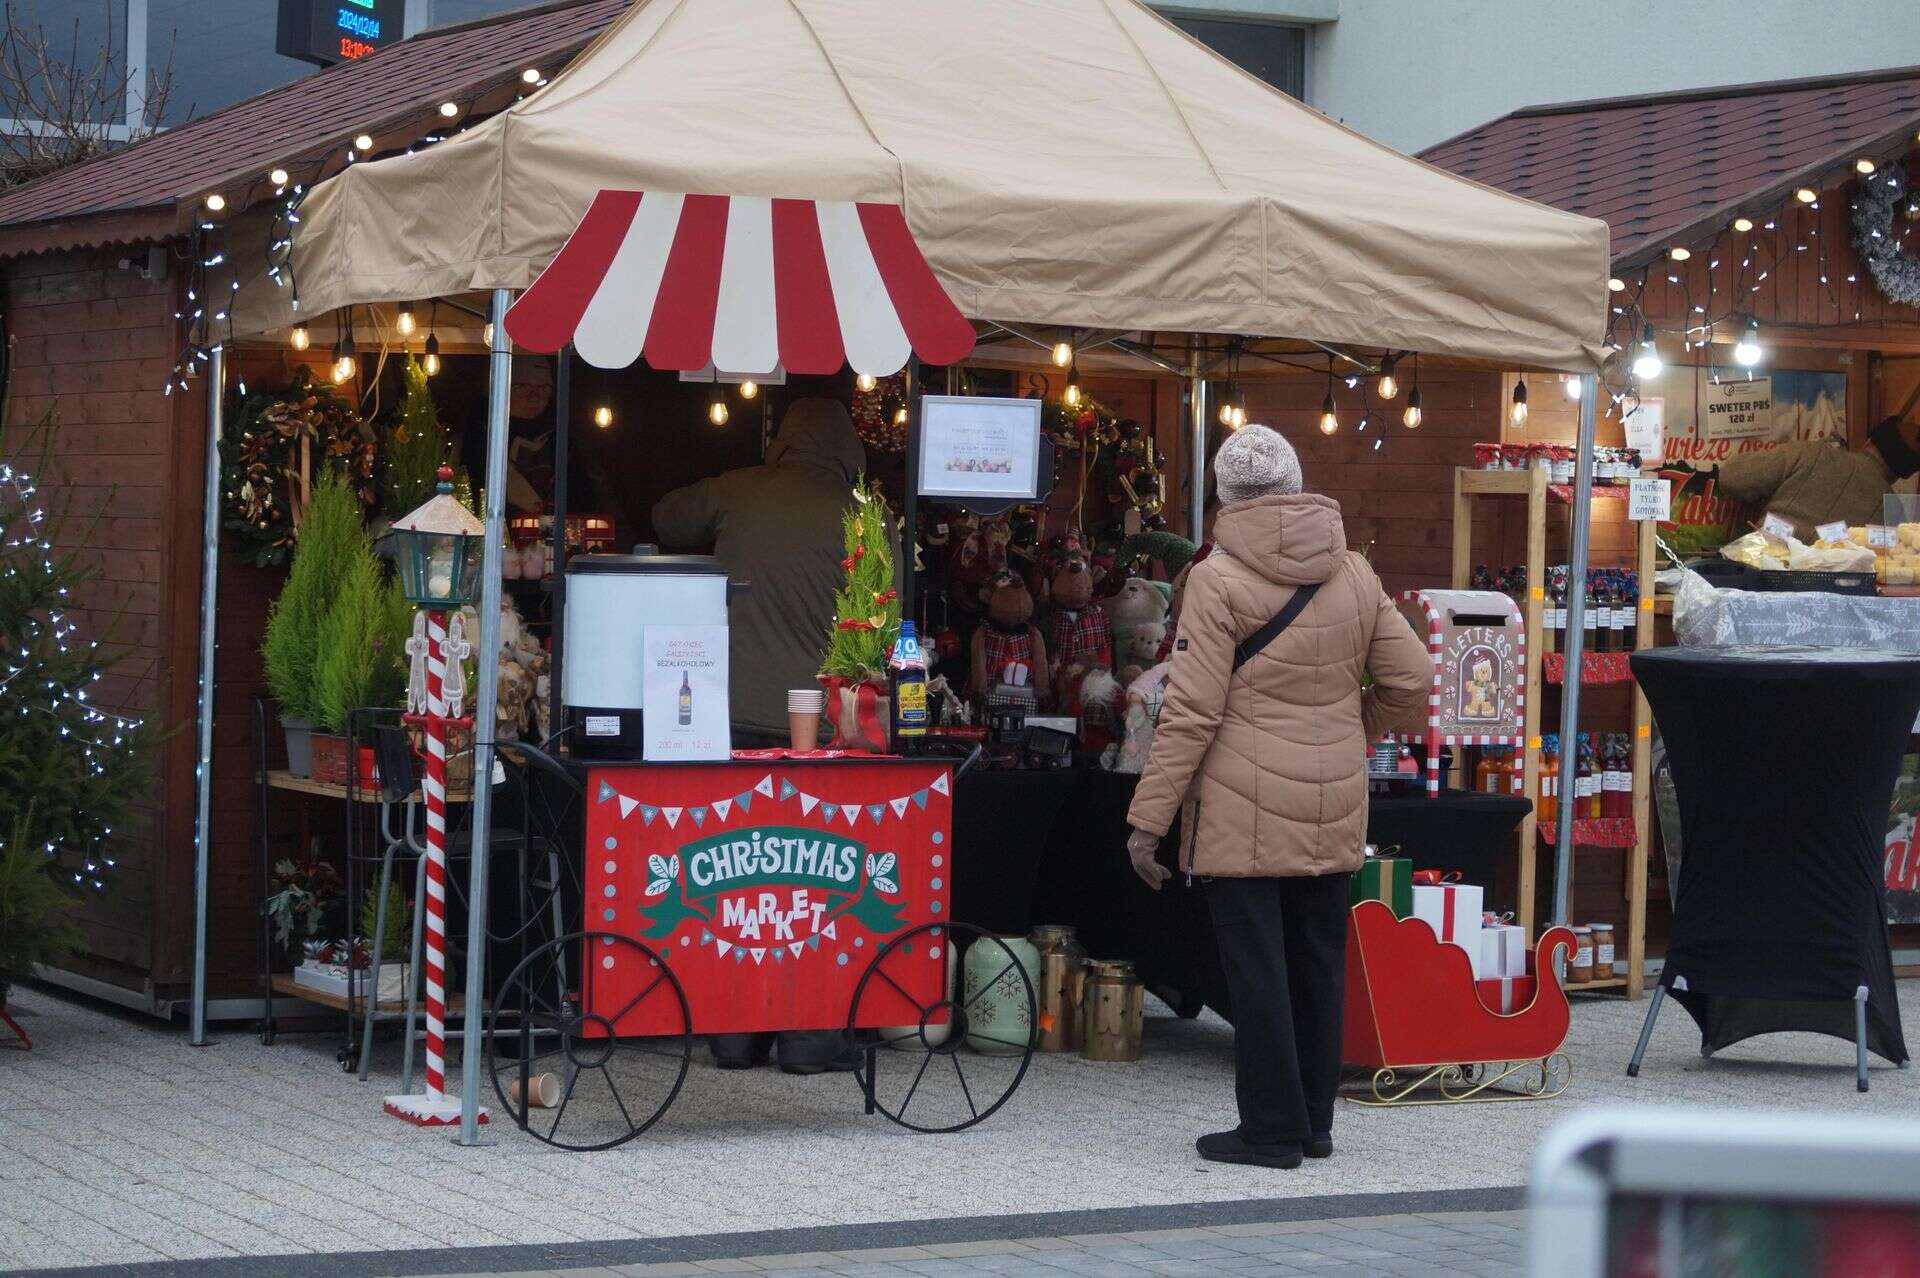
(1414, 1018)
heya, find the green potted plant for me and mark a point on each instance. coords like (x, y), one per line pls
(361, 659)
(330, 540)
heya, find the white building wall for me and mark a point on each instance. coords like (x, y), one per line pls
(1415, 72)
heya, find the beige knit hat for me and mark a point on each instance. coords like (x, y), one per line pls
(1256, 461)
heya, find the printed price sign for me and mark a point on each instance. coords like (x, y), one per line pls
(1778, 527)
(1649, 499)
(1835, 531)
(1646, 430)
(1882, 537)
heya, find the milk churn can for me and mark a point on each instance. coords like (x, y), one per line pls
(999, 1004)
(1113, 1011)
(1062, 974)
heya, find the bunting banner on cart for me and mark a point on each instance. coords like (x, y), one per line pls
(873, 813)
(768, 903)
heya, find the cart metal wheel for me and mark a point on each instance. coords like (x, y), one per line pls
(544, 1036)
(925, 1077)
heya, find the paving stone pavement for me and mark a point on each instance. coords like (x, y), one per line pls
(120, 1144)
(1443, 1244)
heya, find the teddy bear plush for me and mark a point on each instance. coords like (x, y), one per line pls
(1138, 616)
(1139, 718)
(1009, 657)
(1081, 638)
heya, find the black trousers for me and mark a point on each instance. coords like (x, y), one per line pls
(1283, 945)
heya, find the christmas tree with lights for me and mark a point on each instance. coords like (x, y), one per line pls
(69, 767)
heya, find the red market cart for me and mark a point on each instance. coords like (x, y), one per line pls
(773, 892)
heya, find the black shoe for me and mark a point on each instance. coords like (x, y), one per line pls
(1319, 1145)
(1229, 1147)
(740, 1051)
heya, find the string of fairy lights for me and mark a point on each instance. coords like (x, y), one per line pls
(214, 279)
(1763, 245)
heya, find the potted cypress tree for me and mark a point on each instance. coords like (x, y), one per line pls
(330, 538)
(361, 658)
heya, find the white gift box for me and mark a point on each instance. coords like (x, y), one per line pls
(1452, 910)
(1503, 951)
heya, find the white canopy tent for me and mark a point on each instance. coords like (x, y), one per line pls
(1077, 163)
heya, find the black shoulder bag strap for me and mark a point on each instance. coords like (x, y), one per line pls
(1247, 649)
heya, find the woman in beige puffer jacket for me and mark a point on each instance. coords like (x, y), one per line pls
(1266, 766)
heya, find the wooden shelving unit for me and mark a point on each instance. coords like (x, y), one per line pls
(1543, 501)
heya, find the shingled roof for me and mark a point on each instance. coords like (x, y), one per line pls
(138, 192)
(1672, 168)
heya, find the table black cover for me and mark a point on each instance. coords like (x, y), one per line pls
(1454, 830)
(1784, 760)
(1036, 847)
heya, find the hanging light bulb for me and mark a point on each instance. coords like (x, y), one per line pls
(216, 202)
(1864, 166)
(1411, 418)
(1806, 195)
(1616, 285)
(717, 411)
(344, 364)
(1071, 396)
(300, 338)
(1387, 386)
(1647, 363)
(1743, 224)
(363, 142)
(603, 417)
(278, 177)
(430, 362)
(1239, 416)
(865, 382)
(1230, 402)
(1062, 354)
(1747, 352)
(1329, 419)
(749, 389)
(530, 76)
(1517, 414)
(900, 415)
(449, 109)
(1570, 384)
(1679, 253)
(403, 319)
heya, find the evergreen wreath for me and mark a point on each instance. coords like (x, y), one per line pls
(1896, 272)
(266, 479)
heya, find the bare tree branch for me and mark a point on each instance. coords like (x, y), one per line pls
(60, 112)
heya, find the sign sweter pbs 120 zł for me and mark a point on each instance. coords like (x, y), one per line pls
(768, 887)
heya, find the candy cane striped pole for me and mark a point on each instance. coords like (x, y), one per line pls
(434, 1109)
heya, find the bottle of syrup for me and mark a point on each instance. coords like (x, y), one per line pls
(907, 683)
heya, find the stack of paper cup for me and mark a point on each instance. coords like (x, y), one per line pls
(804, 708)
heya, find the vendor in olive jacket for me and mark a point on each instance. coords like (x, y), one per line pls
(1266, 766)
(777, 527)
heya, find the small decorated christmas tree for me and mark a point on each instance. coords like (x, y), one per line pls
(416, 446)
(866, 612)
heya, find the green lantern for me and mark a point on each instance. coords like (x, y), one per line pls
(438, 548)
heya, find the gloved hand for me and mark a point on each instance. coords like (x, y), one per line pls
(1141, 847)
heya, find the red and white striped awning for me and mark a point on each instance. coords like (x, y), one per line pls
(745, 284)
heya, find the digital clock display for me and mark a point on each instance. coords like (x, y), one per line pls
(330, 31)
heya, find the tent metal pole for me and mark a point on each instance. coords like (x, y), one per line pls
(1576, 619)
(910, 501)
(1196, 448)
(203, 748)
(487, 676)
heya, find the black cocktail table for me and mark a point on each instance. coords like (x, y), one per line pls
(1784, 760)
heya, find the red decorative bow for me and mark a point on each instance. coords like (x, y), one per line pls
(1434, 878)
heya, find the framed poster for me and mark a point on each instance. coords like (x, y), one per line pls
(684, 682)
(975, 447)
